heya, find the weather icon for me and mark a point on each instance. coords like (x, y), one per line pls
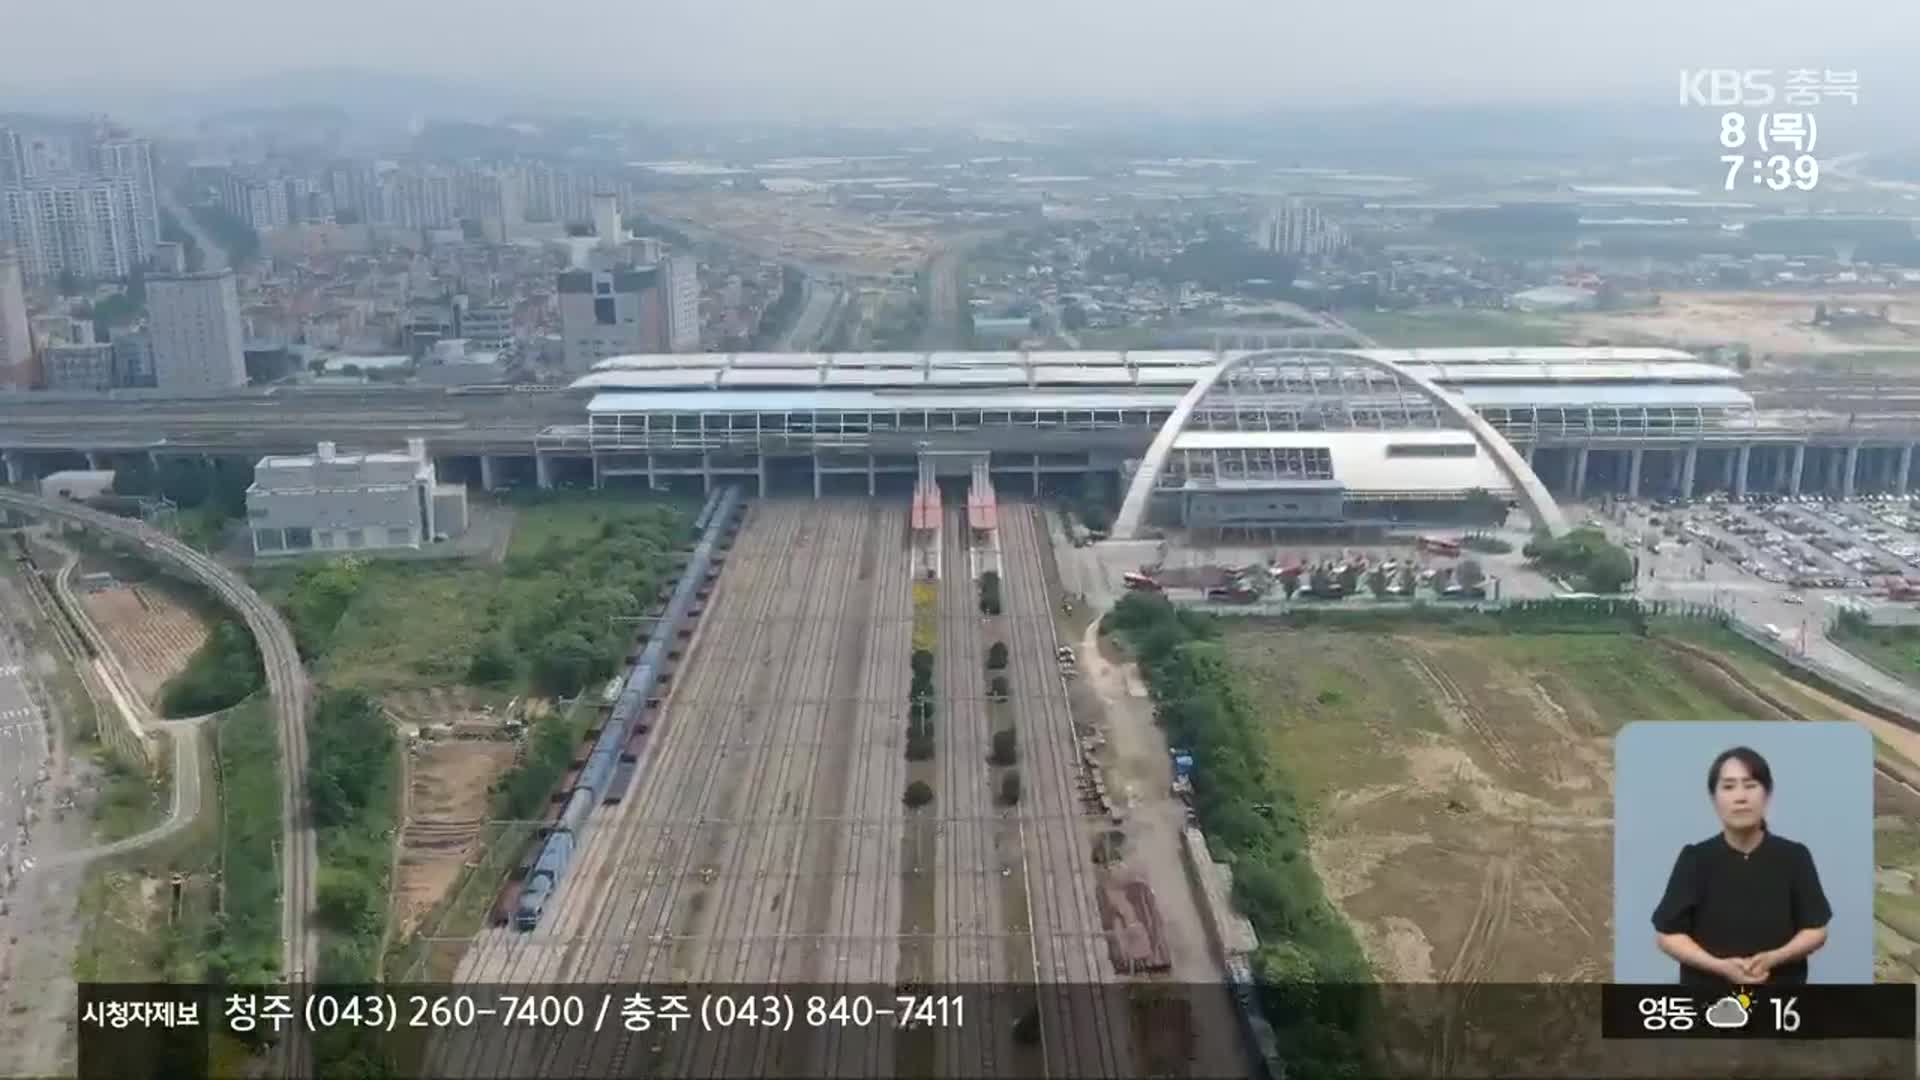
(1729, 1012)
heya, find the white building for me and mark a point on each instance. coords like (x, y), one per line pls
(606, 219)
(194, 325)
(329, 501)
(16, 332)
(261, 202)
(1297, 228)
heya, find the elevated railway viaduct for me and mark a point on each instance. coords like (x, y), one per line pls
(1585, 420)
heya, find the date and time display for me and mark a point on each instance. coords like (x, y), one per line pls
(1769, 127)
(1778, 151)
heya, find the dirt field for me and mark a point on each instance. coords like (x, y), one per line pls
(805, 227)
(1438, 768)
(449, 780)
(1460, 787)
(152, 634)
(1771, 324)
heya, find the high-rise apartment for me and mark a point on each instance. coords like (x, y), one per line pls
(78, 225)
(194, 328)
(681, 285)
(93, 215)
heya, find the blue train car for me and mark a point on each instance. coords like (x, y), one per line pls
(602, 774)
(555, 854)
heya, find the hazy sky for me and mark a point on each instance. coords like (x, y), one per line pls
(1178, 53)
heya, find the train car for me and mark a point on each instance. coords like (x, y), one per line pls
(604, 773)
(579, 805)
(622, 780)
(633, 748)
(540, 884)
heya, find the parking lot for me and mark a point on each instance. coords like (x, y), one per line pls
(1803, 544)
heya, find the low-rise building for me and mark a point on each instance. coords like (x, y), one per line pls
(329, 501)
(78, 368)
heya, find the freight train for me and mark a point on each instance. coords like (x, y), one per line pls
(603, 769)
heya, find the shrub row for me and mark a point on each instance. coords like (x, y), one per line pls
(1248, 809)
(990, 593)
(920, 708)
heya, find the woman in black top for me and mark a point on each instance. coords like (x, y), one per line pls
(1744, 907)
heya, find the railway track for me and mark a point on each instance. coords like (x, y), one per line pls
(967, 867)
(673, 888)
(1084, 1031)
(595, 920)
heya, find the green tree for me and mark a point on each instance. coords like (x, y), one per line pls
(990, 592)
(346, 901)
(1006, 748)
(223, 672)
(997, 689)
(349, 745)
(1010, 789)
(919, 793)
(920, 745)
(1470, 573)
(997, 656)
(564, 663)
(492, 664)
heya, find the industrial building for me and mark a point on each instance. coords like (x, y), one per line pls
(329, 501)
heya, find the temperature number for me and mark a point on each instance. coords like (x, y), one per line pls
(1778, 172)
(1786, 1018)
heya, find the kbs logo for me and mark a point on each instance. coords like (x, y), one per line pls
(1723, 87)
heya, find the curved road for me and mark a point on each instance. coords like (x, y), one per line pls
(186, 801)
(286, 682)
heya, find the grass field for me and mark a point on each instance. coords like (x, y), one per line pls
(412, 625)
(1458, 789)
(1449, 326)
(1439, 768)
(1893, 649)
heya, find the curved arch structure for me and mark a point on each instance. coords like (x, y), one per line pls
(1538, 503)
(286, 684)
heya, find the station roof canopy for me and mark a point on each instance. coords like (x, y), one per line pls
(1556, 376)
(1174, 368)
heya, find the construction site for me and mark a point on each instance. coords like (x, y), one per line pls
(798, 803)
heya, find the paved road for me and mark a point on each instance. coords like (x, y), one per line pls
(185, 807)
(212, 255)
(23, 756)
(814, 319)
